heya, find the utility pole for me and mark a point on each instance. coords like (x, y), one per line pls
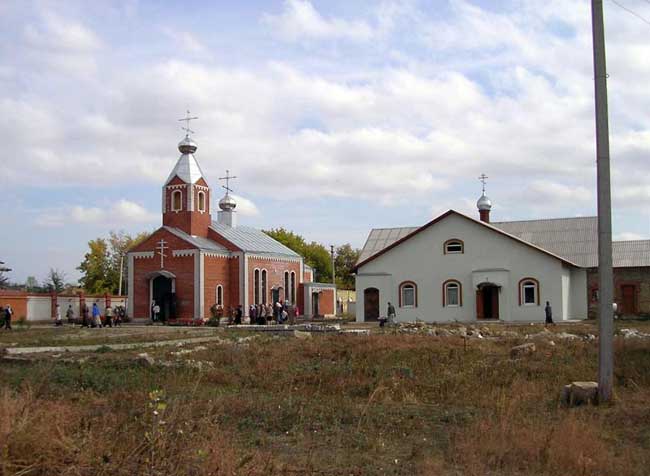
(605, 272)
(333, 267)
(119, 291)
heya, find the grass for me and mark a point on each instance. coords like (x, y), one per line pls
(335, 405)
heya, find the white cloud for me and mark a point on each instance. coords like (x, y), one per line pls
(58, 34)
(301, 20)
(185, 41)
(628, 236)
(245, 207)
(121, 213)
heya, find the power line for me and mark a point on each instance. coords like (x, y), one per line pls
(643, 19)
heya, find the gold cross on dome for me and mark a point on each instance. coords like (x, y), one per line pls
(187, 120)
(227, 178)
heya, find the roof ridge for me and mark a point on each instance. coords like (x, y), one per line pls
(544, 219)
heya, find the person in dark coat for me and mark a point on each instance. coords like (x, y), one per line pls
(8, 313)
(84, 315)
(548, 311)
(238, 315)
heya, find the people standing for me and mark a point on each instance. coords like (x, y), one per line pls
(548, 311)
(108, 314)
(238, 315)
(8, 313)
(57, 316)
(391, 314)
(97, 321)
(69, 314)
(84, 315)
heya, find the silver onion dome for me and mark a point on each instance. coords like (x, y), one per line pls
(484, 203)
(227, 203)
(187, 146)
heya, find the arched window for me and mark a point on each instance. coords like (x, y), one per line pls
(452, 293)
(177, 201)
(286, 285)
(256, 286)
(293, 287)
(529, 292)
(454, 246)
(201, 201)
(219, 295)
(408, 294)
(264, 286)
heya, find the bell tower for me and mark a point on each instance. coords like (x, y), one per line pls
(186, 194)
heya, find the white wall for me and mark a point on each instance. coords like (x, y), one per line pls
(421, 259)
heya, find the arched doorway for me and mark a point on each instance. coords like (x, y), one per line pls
(162, 288)
(371, 304)
(487, 301)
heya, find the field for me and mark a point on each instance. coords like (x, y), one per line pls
(389, 403)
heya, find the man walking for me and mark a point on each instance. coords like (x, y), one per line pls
(391, 314)
(69, 314)
(8, 313)
(548, 311)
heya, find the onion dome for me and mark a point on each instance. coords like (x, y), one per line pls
(187, 146)
(484, 203)
(227, 203)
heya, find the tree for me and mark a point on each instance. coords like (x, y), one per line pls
(31, 284)
(346, 258)
(101, 265)
(315, 254)
(4, 279)
(55, 281)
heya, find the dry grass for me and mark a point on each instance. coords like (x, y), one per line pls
(385, 404)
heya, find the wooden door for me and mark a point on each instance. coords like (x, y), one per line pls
(371, 304)
(628, 294)
(480, 313)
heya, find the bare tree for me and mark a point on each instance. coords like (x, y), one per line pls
(55, 281)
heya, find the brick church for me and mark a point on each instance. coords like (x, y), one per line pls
(192, 263)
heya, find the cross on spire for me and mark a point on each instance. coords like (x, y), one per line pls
(187, 120)
(227, 178)
(483, 178)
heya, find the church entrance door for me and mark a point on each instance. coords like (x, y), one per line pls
(487, 302)
(315, 305)
(161, 292)
(371, 304)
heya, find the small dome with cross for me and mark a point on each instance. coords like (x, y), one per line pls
(187, 146)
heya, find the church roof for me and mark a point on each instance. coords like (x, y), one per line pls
(187, 169)
(252, 240)
(574, 239)
(198, 241)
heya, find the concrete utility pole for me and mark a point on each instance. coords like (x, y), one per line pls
(605, 272)
(333, 267)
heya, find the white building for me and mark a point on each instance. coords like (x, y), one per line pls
(457, 268)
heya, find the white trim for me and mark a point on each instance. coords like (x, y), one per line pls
(457, 287)
(264, 288)
(175, 186)
(244, 280)
(274, 257)
(198, 199)
(199, 280)
(401, 297)
(529, 284)
(164, 201)
(190, 198)
(216, 254)
(257, 287)
(142, 254)
(302, 270)
(216, 295)
(130, 286)
(293, 295)
(179, 253)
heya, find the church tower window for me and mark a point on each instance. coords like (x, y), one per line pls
(201, 201)
(177, 201)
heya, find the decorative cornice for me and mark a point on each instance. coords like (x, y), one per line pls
(274, 258)
(178, 185)
(179, 253)
(142, 254)
(216, 254)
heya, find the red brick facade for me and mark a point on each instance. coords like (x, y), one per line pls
(224, 272)
(193, 222)
(275, 269)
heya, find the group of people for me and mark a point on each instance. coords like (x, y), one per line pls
(260, 314)
(91, 317)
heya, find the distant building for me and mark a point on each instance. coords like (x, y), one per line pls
(457, 268)
(192, 263)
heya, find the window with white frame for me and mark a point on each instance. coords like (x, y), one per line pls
(293, 287)
(177, 201)
(219, 295)
(286, 285)
(529, 292)
(408, 295)
(454, 247)
(256, 286)
(201, 201)
(452, 294)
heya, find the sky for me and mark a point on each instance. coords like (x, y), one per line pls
(335, 116)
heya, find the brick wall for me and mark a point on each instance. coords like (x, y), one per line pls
(326, 302)
(182, 267)
(218, 271)
(275, 276)
(639, 277)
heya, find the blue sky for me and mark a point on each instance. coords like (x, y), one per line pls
(336, 116)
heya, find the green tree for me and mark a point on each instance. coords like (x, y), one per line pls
(315, 254)
(346, 258)
(100, 268)
(55, 281)
(31, 284)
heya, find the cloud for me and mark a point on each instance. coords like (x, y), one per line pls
(245, 207)
(185, 41)
(300, 19)
(121, 213)
(628, 236)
